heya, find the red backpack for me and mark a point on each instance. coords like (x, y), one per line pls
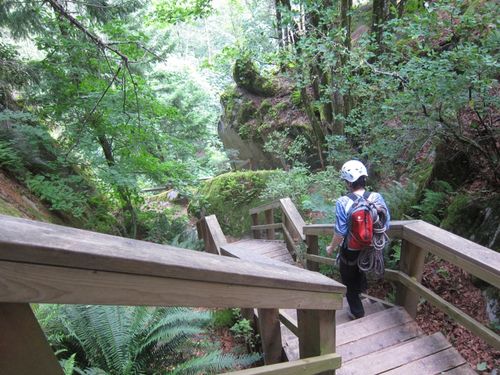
(360, 218)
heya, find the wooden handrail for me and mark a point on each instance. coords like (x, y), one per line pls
(419, 238)
(210, 231)
(46, 263)
(51, 264)
(308, 366)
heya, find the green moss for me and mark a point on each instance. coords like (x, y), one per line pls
(264, 108)
(230, 196)
(247, 76)
(246, 112)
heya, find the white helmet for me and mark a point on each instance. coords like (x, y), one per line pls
(352, 170)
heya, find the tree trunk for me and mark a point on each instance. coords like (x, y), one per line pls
(122, 191)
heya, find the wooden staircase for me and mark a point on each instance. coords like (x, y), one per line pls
(386, 341)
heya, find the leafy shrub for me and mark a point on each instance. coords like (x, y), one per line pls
(433, 206)
(9, 158)
(294, 184)
(400, 199)
(58, 193)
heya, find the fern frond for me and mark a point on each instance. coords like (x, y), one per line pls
(215, 362)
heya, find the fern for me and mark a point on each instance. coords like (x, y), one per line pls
(433, 206)
(131, 340)
(214, 363)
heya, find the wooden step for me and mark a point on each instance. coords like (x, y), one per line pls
(401, 355)
(371, 324)
(342, 316)
(378, 341)
(264, 251)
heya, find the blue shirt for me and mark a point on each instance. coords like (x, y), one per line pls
(341, 212)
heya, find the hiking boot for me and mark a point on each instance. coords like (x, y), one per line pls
(352, 316)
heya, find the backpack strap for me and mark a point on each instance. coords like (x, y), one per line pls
(366, 194)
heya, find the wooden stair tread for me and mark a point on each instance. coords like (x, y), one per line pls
(465, 369)
(371, 324)
(433, 364)
(392, 358)
(381, 340)
(256, 250)
(342, 316)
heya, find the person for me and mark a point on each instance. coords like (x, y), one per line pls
(354, 173)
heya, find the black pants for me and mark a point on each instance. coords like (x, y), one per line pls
(354, 280)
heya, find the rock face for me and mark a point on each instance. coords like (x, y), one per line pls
(253, 111)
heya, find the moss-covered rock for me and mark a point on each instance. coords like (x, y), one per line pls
(229, 197)
(247, 76)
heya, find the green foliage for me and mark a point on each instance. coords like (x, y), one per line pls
(400, 199)
(169, 12)
(294, 184)
(59, 193)
(9, 158)
(131, 340)
(433, 206)
(224, 318)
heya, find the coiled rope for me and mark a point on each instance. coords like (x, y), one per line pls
(372, 259)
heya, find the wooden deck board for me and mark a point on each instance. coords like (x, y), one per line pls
(371, 324)
(433, 364)
(382, 340)
(391, 358)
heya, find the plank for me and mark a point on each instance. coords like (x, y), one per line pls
(306, 366)
(473, 258)
(320, 259)
(22, 282)
(396, 229)
(380, 340)
(371, 324)
(256, 258)
(289, 321)
(391, 358)
(215, 234)
(293, 216)
(267, 226)
(41, 243)
(264, 207)
(24, 350)
(290, 344)
(433, 364)
(455, 313)
(342, 316)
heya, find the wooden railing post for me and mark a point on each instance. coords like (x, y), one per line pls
(24, 350)
(269, 214)
(255, 221)
(270, 334)
(411, 263)
(313, 249)
(316, 332)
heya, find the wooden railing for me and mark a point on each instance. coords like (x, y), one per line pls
(418, 239)
(45, 263)
(291, 224)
